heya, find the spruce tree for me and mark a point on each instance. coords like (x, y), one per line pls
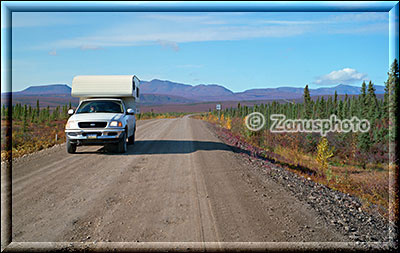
(24, 118)
(371, 104)
(314, 110)
(363, 93)
(3, 111)
(317, 109)
(340, 110)
(344, 110)
(330, 107)
(30, 112)
(37, 109)
(364, 142)
(362, 109)
(322, 108)
(393, 87)
(307, 103)
(18, 111)
(335, 103)
(354, 107)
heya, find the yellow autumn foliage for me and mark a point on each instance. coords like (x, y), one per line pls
(324, 153)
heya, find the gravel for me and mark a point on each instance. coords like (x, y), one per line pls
(342, 211)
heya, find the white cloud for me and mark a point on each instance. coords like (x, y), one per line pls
(171, 38)
(361, 17)
(245, 18)
(53, 52)
(202, 19)
(343, 76)
(40, 19)
(364, 29)
(90, 47)
(189, 66)
(292, 22)
(169, 44)
(169, 30)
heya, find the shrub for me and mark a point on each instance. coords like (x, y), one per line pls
(324, 153)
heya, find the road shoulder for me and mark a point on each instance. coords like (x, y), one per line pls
(341, 212)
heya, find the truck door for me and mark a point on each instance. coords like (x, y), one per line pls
(128, 119)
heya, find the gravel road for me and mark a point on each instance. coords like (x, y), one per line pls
(178, 183)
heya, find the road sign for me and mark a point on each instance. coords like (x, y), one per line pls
(218, 107)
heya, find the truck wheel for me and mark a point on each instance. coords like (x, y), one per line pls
(122, 146)
(71, 148)
(131, 139)
(109, 148)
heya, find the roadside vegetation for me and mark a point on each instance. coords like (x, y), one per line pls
(33, 128)
(36, 128)
(153, 115)
(355, 163)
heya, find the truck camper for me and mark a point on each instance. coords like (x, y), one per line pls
(105, 114)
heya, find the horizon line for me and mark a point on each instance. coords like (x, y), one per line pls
(194, 85)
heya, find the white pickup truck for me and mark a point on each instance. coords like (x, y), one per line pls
(105, 114)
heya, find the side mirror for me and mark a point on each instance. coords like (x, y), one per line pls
(130, 111)
(71, 111)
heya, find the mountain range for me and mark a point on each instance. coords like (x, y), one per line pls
(156, 92)
(215, 92)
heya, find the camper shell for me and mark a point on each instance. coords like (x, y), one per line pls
(110, 121)
(125, 87)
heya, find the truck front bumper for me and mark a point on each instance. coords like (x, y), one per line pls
(94, 136)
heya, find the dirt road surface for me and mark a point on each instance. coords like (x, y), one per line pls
(178, 183)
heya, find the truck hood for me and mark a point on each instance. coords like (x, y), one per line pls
(96, 116)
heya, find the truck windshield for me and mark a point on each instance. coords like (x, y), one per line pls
(100, 106)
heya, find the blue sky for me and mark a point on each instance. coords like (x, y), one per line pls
(237, 50)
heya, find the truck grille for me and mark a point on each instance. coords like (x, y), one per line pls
(97, 133)
(92, 124)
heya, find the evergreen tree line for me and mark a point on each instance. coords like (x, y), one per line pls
(365, 106)
(27, 113)
(379, 112)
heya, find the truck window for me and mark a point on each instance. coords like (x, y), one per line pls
(100, 106)
(137, 92)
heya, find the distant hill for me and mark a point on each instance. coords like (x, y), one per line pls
(47, 89)
(156, 99)
(60, 94)
(214, 92)
(159, 92)
(207, 106)
(202, 92)
(293, 93)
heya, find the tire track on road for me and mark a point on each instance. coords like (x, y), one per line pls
(177, 183)
(42, 184)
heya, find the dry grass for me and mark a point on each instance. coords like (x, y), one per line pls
(370, 185)
(37, 136)
(150, 115)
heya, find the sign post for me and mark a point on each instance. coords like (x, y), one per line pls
(218, 107)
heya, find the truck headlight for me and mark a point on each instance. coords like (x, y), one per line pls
(115, 124)
(71, 124)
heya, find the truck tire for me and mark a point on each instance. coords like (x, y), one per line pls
(110, 148)
(122, 145)
(131, 139)
(71, 148)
